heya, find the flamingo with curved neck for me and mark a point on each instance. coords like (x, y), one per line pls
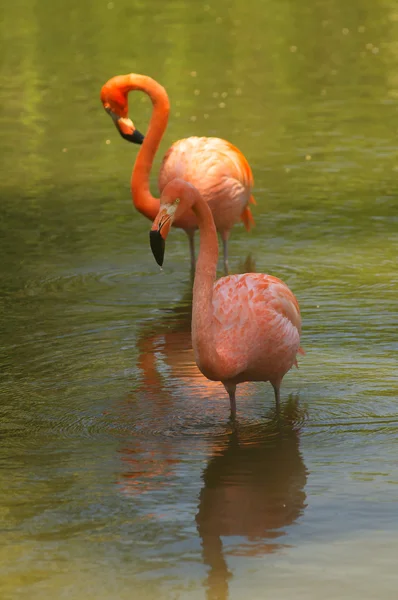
(215, 167)
(244, 327)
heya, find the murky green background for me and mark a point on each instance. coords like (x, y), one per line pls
(120, 475)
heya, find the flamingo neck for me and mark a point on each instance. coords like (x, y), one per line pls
(202, 306)
(143, 200)
(203, 340)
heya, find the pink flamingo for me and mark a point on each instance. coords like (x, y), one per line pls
(244, 327)
(215, 167)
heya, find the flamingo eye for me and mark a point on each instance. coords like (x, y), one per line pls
(177, 201)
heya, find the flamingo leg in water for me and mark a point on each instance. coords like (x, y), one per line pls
(277, 397)
(225, 236)
(231, 389)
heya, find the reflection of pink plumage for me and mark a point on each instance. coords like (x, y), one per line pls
(244, 327)
(214, 166)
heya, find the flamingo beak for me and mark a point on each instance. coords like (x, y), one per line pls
(157, 245)
(158, 234)
(125, 127)
(128, 131)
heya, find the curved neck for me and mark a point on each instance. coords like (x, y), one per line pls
(143, 200)
(205, 274)
(203, 340)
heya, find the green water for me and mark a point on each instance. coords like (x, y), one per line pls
(120, 474)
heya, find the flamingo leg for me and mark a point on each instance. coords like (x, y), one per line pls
(231, 389)
(277, 397)
(225, 236)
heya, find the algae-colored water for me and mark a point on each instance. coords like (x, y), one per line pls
(121, 476)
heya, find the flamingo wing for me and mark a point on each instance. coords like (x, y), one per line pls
(257, 325)
(219, 171)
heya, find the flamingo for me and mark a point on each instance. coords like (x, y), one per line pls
(244, 327)
(214, 166)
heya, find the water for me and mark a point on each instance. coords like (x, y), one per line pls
(121, 474)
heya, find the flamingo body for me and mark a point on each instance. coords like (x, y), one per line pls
(244, 327)
(221, 174)
(257, 327)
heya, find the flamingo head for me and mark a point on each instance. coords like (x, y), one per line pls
(114, 102)
(161, 227)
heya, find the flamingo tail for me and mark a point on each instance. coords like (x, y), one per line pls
(247, 216)
(299, 351)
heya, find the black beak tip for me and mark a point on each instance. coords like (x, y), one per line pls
(157, 246)
(136, 137)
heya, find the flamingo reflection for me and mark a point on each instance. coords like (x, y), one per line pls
(253, 489)
(168, 373)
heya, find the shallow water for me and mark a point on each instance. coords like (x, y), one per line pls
(121, 474)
